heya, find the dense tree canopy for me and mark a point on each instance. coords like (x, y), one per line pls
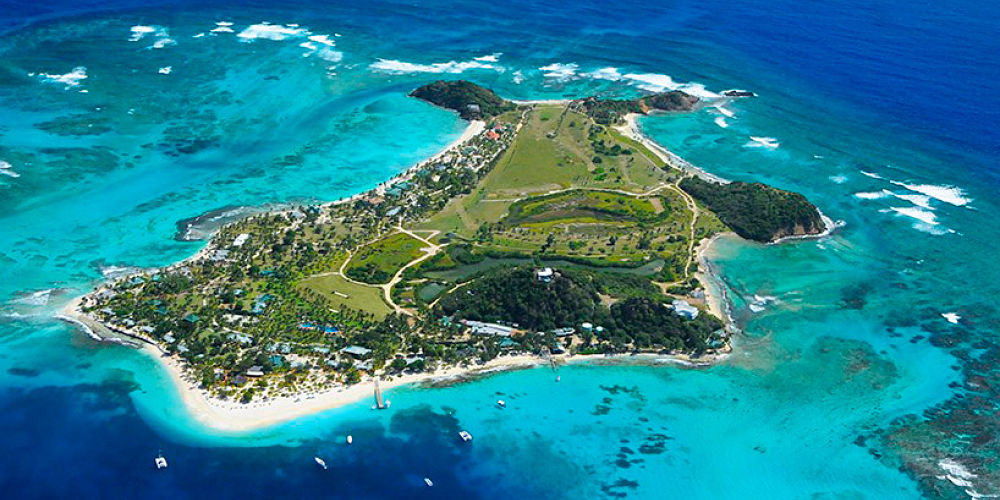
(756, 211)
(470, 100)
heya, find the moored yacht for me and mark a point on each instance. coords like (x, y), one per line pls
(465, 436)
(321, 462)
(161, 463)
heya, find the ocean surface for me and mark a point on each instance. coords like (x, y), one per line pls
(867, 366)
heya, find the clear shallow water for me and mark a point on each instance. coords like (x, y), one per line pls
(841, 351)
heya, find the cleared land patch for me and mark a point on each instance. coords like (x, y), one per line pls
(343, 294)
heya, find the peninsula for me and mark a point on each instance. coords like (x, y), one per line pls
(550, 230)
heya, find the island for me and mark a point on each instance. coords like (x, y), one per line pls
(549, 231)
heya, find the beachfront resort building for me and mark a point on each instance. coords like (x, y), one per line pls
(491, 329)
(684, 309)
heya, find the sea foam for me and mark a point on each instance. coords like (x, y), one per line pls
(8, 170)
(873, 195)
(494, 57)
(400, 67)
(762, 142)
(139, 32)
(559, 71)
(721, 121)
(948, 194)
(267, 31)
(922, 215)
(655, 82)
(70, 80)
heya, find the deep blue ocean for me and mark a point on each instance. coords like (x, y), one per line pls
(868, 364)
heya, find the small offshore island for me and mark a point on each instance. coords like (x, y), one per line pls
(549, 230)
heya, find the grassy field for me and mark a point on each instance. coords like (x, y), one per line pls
(587, 206)
(341, 293)
(569, 187)
(379, 261)
(554, 150)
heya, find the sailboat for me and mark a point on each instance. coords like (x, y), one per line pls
(321, 462)
(380, 404)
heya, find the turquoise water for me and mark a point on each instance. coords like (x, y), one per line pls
(843, 337)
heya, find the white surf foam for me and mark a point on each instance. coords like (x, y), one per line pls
(323, 39)
(268, 31)
(655, 82)
(494, 57)
(957, 474)
(948, 194)
(199, 35)
(762, 142)
(518, 77)
(919, 200)
(922, 215)
(873, 195)
(330, 55)
(873, 175)
(139, 32)
(222, 29)
(951, 317)
(760, 302)
(9, 173)
(166, 70)
(838, 179)
(38, 298)
(83, 326)
(609, 73)
(164, 42)
(559, 71)
(400, 67)
(70, 80)
(721, 121)
(728, 113)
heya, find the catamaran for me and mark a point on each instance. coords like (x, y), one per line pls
(161, 463)
(321, 462)
(380, 404)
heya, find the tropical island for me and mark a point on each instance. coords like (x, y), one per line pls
(548, 230)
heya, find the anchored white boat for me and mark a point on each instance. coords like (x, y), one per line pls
(350, 439)
(161, 463)
(321, 462)
(501, 403)
(428, 482)
(465, 436)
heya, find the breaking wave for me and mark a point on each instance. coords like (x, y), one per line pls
(400, 67)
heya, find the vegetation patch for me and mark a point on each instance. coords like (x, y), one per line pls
(757, 211)
(381, 260)
(470, 100)
(572, 297)
(586, 206)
